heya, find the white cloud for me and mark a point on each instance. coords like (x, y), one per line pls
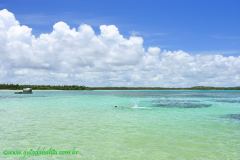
(80, 56)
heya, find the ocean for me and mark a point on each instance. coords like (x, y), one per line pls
(121, 125)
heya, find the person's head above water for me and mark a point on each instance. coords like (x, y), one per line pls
(115, 106)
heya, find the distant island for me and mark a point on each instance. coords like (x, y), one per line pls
(76, 87)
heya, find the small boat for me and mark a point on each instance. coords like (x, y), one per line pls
(25, 91)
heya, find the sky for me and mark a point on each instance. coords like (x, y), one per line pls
(173, 43)
(195, 26)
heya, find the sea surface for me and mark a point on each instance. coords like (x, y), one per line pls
(144, 125)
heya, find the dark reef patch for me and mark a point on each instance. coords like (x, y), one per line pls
(229, 100)
(180, 104)
(233, 116)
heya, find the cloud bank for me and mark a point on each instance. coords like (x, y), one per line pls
(80, 56)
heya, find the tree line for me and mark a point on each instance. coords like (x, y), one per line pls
(76, 87)
(42, 87)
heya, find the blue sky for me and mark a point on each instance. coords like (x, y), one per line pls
(206, 26)
(186, 42)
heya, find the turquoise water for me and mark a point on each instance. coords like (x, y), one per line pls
(146, 125)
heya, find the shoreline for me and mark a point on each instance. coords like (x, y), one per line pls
(126, 90)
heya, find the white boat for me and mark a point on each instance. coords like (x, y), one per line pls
(25, 91)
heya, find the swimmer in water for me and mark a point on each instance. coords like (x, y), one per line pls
(115, 106)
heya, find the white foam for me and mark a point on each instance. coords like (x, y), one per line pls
(137, 107)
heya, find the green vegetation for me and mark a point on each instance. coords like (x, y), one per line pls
(214, 88)
(163, 88)
(75, 87)
(42, 87)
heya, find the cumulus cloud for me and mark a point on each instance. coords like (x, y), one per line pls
(80, 56)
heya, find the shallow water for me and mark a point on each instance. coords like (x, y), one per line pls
(145, 125)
